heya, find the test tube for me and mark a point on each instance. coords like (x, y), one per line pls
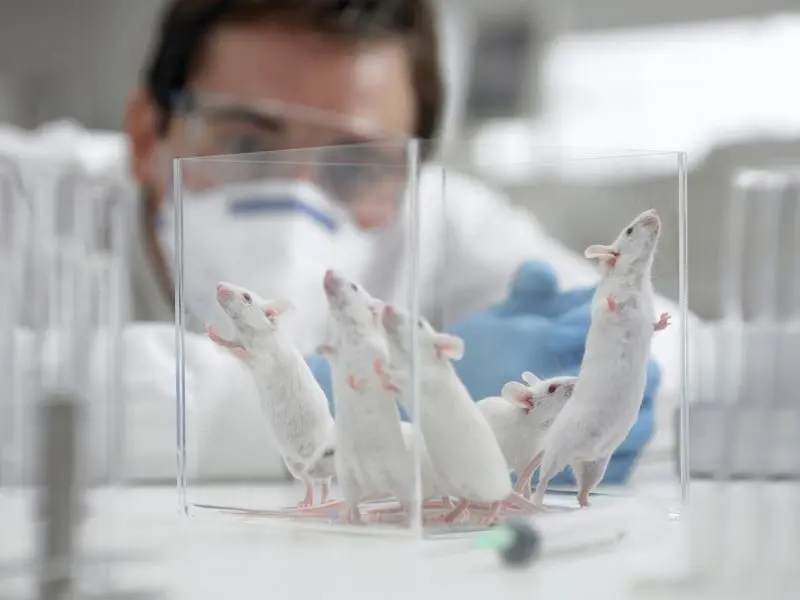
(59, 400)
(710, 527)
(790, 379)
(9, 205)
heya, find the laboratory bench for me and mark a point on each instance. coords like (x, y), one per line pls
(138, 539)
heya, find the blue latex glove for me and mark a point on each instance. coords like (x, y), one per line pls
(539, 329)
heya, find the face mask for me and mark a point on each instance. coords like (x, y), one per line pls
(275, 237)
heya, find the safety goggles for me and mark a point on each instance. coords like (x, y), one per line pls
(269, 139)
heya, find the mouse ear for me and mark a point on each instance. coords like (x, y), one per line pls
(277, 308)
(390, 318)
(597, 251)
(449, 346)
(517, 394)
(530, 378)
(568, 386)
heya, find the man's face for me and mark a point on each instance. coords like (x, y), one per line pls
(257, 63)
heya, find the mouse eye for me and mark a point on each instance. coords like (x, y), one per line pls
(247, 298)
(354, 287)
(552, 389)
(629, 230)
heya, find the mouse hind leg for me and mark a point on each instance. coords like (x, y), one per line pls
(309, 497)
(552, 464)
(400, 482)
(298, 472)
(325, 490)
(352, 494)
(588, 474)
(523, 484)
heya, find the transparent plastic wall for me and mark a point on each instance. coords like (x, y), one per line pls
(577, 361)
(745, 427)
(13, 237)
(361, 303)
(286, 263)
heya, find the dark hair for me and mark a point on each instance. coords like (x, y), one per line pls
(186, 25)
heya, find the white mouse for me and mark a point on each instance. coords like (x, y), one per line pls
(371, 456)
(463, 450)
(520, 417)
(291, 399)
(434, 493)
(608, 394)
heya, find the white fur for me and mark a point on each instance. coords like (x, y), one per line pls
(292, 401)
(463, 451)
(431, 486)
(606, 400)
(519, 431)
(371, 457)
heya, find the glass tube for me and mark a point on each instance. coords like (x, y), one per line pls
(9, 205)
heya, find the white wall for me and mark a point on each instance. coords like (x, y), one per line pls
(71, 58)
(80, 58)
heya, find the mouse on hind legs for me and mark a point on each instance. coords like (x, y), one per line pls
(589, 474)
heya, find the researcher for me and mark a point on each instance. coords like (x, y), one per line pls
(337, 83)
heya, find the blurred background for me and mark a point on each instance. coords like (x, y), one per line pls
(716, 79)
(713, 78)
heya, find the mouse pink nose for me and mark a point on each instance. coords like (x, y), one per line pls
(650, 219)
(329, 282)
(223, 292)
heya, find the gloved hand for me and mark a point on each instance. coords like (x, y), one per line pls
(539, 329)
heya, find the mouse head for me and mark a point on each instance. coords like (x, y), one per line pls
(249, 313)
(634, 248)
(438, 347)
(543, 398)
(433, 346)
(350, 304)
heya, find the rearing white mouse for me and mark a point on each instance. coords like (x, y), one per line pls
(371, 456)
(291, 399)
(432, 488)
(463, 450)
(520, 417)
(608, 394)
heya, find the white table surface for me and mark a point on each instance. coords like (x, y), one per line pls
(149, 546)
(177, 558)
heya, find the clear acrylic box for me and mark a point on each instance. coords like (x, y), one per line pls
(368, 263)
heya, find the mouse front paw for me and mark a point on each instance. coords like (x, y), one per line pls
(357, 384)
(611, 303)
(213, 335)
(388, 386)
(662, 323)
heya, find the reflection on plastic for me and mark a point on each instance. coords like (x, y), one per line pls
(444, 469)
(745, 431)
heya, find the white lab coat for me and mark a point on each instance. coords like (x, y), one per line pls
(483, 240)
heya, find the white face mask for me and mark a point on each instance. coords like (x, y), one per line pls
(275, 237)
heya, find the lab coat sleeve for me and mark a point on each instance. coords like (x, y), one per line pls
(488, 239)
(225, 433)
